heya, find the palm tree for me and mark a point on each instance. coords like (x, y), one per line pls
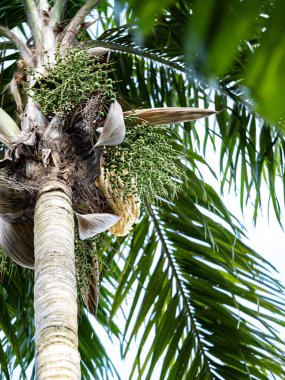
(200, 297)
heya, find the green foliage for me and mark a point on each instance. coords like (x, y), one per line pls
(7, 266)
(218, 23)
(250, 150)
(204, 304)
(238, 45)
(145, 164)
(16, 322)
(265, 72)
(146, 12)
(71, 81)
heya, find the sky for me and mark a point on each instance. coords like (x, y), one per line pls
(267, 237)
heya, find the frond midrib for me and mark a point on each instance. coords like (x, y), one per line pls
(179, 284)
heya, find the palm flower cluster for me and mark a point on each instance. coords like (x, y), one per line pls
(145, 164)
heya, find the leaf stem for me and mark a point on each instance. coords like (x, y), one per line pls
(75, 24)
(35, 21)
(141, 53)
(23, 50)
(168, 63)
(56, 12)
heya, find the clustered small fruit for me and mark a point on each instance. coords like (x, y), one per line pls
(71, 81)
(145, 146)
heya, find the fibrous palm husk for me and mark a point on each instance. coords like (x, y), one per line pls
(169, 115)
(17, 241)
(14, 200)
(128, 207)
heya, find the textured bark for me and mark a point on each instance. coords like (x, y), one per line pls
(56, 334)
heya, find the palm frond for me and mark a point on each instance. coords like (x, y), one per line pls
(203, 302)
(236, 134)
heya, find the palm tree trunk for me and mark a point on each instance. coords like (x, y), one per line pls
(56, 332)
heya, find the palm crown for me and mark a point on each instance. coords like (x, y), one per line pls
(86, 124)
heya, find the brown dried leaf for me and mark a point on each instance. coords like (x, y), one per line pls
(127, 208)
(169, 115)
(26, 138)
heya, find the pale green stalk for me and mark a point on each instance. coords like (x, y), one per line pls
(75, 24)
(35, 21)
(56, 12)
(8, 128)
(23, 50)
(43, 6)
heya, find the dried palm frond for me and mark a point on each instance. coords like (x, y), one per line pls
(90, 225)
(13, 87)
(169, 115)
(127, 207)
(98, 51)
(113, 131)
(17, 241)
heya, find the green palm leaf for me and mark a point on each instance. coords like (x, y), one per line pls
(201, 297)
(162, 55)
